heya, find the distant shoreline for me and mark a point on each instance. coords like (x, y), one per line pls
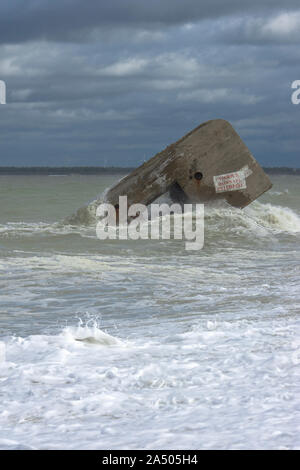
(63, 170)
(98, 170)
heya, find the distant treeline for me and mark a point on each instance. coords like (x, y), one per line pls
(98, 170)
(63, 170)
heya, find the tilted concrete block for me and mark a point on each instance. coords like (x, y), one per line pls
(211, 162)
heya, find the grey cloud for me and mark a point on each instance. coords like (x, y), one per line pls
(278, 28)
(77, 20)
(119, 95)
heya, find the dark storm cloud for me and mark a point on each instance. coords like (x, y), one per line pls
(78, 20)
(137, 75)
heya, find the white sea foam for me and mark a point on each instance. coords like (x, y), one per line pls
(274, 217)
(261, 218)
(279, 193)
(2, 352)
(90, 333)
(192, 350)
(100, 392)
(258, 218)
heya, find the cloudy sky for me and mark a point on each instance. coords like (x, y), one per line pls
(92, 82)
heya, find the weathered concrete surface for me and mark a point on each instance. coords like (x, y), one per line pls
(209, 159)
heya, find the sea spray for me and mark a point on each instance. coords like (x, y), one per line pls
(2, 352)
(89, 332)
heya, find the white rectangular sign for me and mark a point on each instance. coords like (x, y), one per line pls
(230, 182)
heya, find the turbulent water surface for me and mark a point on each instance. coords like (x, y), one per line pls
(142, 344)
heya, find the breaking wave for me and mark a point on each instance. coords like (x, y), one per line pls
(85, 215)
(259, 218)
(90, 333)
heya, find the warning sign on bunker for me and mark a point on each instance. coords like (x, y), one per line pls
(230, 182)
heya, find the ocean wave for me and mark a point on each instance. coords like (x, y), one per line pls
(211, 372)
(279, 193)
(259, 218)
(263, 219)
(89, 332)
(2, 352)
(28, 229)
(70, 339)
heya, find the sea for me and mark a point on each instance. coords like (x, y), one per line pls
(143, 344)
